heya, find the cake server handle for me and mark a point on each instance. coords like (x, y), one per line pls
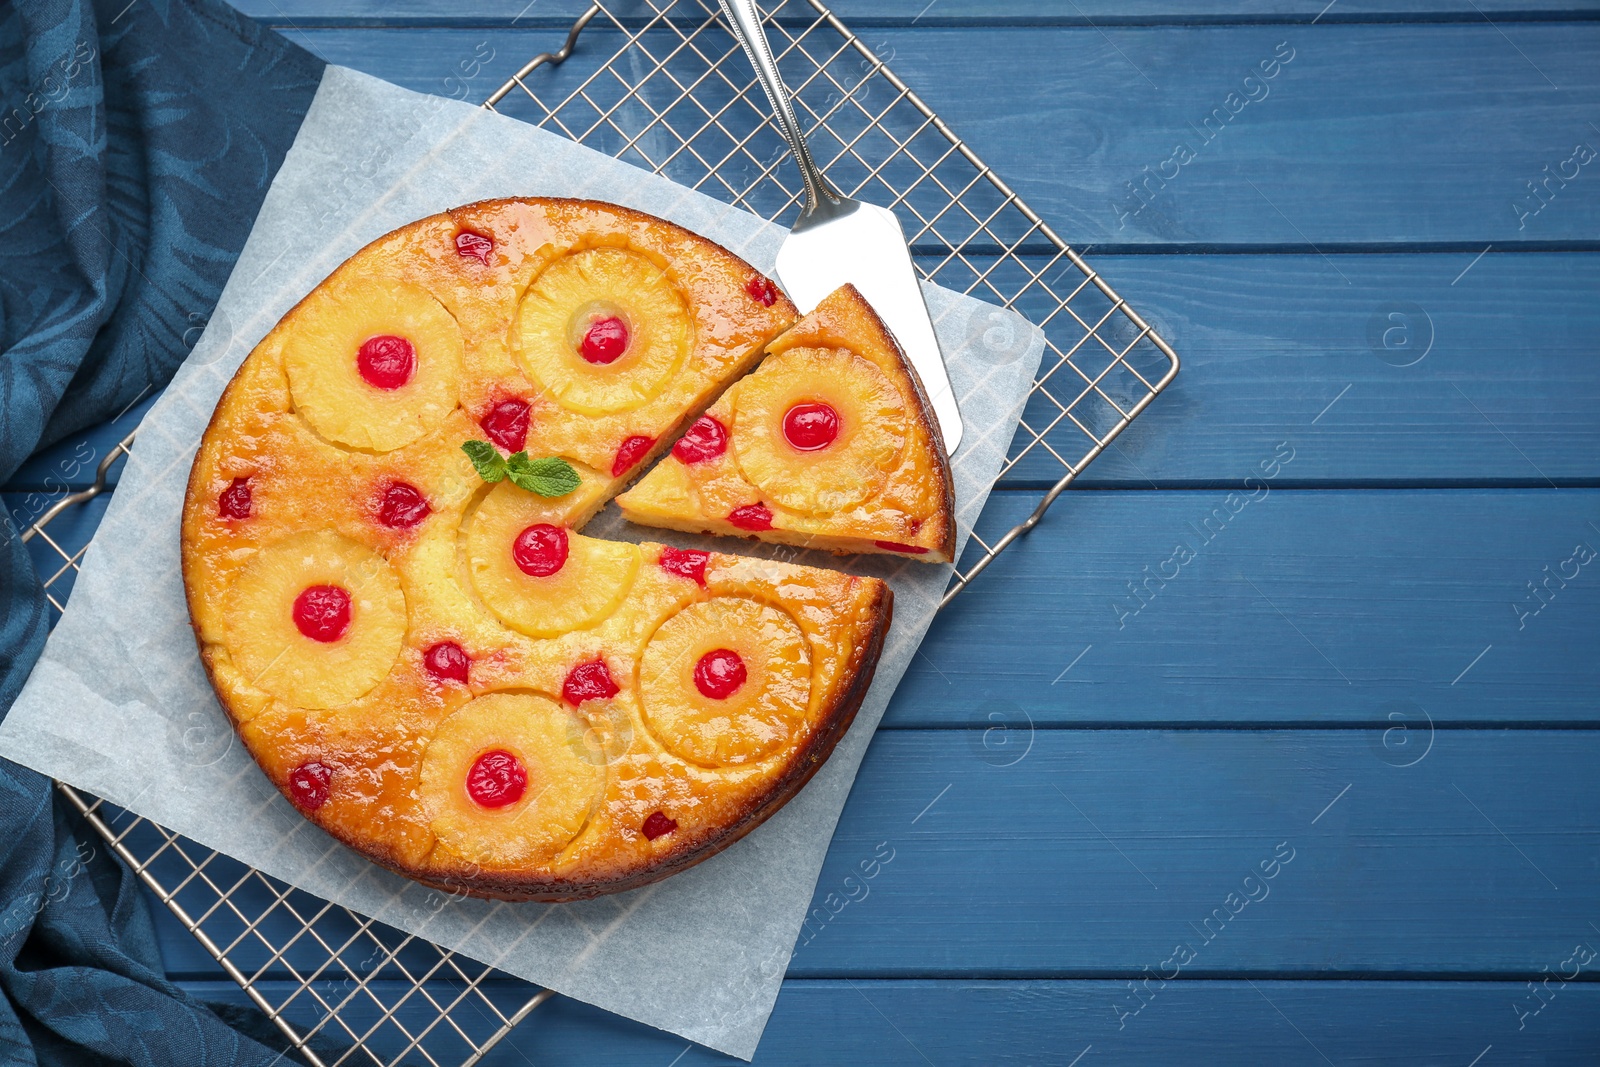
(745, 20)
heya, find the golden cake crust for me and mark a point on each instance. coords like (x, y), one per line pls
(380, 770)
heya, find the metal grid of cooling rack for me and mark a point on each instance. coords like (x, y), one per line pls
(338, 983)
(675, 96)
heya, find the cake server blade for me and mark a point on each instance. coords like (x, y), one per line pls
(838, 240)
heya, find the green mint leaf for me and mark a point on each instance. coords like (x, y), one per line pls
(550, 476)
(487, 461)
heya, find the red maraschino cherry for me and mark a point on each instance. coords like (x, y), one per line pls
(658, 825)
(506, 424)
(589, 681)
(497, 779)
(540, 550)
(706, 439)
(752, 517)
(687, 563)
(719, 674)
(629, 453)
(234, 503)
(447, 662)
(761, 290)
(476, 246)
(605, 341)
(811, 426)
(402, 506)
(322, 612)
(310, 784)
(896, 546)
(386, 361)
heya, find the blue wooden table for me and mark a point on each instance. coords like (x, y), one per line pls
(1321, 788)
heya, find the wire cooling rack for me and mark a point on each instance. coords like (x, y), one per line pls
(677, 97)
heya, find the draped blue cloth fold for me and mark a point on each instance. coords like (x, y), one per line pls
(137, 141)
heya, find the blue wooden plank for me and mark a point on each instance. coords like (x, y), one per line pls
(1368, 137)
(1010, 1024)
(1091, 854)
(1371, 135)
(1426, 370)
(862, 13)
(1098, 852)
(1299, 607)
(1423, 370)
(1304, 607)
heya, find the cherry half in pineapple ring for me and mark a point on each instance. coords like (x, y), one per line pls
(497, 779)
(719, 674)
(386, 361)
(605, 341)
(322, 612)
(540, 550)
(811, 425)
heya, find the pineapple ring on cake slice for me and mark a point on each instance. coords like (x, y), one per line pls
(373, 363)
(505, 780)
(538, 577)
(817, 430)
(830, 444)
(602, 330)
(726, 681)
(315, 619)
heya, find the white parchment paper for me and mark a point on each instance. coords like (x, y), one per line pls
(120, 706)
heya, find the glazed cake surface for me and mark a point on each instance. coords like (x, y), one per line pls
(830, 444)
(442, 671)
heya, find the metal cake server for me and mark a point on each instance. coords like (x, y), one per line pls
(838, 240)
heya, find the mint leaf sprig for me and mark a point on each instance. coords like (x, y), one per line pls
(550, 476)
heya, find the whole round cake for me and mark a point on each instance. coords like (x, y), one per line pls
(395, 606)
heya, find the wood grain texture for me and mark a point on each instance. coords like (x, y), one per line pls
(1305, 607)
(1502, 390)
(1370, 136)
(1095, 853)
(1027, 1024)
(1423, 370)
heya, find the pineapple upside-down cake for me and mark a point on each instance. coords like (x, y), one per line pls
(395, 606)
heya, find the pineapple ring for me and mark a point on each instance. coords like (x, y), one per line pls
(587, 588)
(612, 282)
(563, 783)
(760, 716)
(272, 651)
(871, 430)
(320, 357)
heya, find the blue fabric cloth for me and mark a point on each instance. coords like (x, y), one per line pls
(137, 141)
